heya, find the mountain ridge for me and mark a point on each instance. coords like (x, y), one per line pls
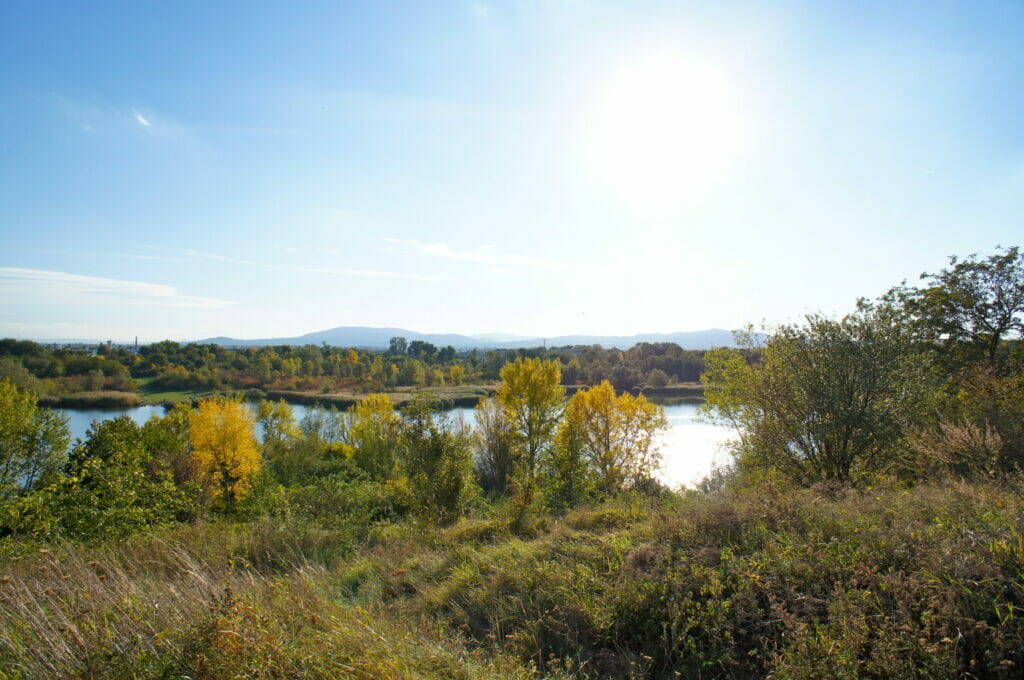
(368, 337)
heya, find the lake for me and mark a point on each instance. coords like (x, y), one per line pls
(690, 448)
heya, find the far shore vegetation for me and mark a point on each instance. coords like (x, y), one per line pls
(115, 377)
(870, 524)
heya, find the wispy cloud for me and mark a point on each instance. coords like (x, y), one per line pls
(333, 271)
(140, 118)
(479, 255)
(37, 286)
(117, 256)
(278, 247)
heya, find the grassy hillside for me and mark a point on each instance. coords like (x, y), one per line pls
(888, 582)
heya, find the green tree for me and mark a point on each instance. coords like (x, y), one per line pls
(657, 378)
(13, 371)
(33, 441)
(397, 346)
(829, 399)
(168, 442)
(111, 486)
(94, 380)
(569, 480)
(437, 456)
(972, 306)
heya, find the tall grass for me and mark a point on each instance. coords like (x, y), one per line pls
(890, 582)
(193, 604)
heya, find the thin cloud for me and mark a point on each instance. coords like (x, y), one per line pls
(37, 286)
(333, 271)
(479, 255)
(119, 256)
(140, 118)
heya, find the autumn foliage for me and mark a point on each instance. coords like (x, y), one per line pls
(616, 434)
(224, 444)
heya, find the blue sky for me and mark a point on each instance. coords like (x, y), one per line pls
(256, 169)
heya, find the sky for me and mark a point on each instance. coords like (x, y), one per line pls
(264, 169)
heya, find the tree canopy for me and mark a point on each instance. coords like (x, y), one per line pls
(827, 401)
(224, 444)
(531, 395)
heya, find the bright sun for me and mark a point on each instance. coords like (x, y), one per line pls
(664, 129)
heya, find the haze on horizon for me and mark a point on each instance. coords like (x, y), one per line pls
(188, 170)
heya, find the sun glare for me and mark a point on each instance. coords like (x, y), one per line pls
(663, 131)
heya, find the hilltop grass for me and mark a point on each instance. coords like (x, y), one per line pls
(449, 396)
(151, 394)
(893, 582)
(99, 399)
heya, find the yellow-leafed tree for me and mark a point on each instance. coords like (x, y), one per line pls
(616, 435)
(373, 434)
(531, 394)
(224, 444)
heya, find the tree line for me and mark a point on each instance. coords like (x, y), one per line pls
(319, 368)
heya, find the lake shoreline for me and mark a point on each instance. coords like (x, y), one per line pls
(463, 396)
(689, 447)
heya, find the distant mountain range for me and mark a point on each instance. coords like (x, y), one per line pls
(363, 337)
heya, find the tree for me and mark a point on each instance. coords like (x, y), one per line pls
(111, 485)
(221, 433)
(625, 378)
(373, 435)
(13, 371)
(617, 435)
(167, 440)
(352, 360)
(437, 456)
(828, 400)
(277, 421)
(421, 349)
(971, 306)
(531, 395)
(94, 380)
(569, 480)
(33, 441)
(495, 445)
(397, 346)
(657, 378)
(45, 448)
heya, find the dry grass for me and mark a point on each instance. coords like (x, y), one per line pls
(183, 605)
(890, 582)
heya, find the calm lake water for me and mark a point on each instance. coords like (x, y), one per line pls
(689, 449)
